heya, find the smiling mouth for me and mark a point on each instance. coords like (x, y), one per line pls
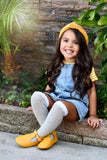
(68, 51)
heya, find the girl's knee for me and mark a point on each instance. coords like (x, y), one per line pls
(39, 97)
(35, 96)
(60, 105)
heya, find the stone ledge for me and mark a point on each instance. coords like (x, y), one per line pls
(18, 120)
(83, 129)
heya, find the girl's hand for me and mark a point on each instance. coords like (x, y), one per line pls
(29, 109)
(94, 122)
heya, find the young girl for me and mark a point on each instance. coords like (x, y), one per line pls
(70, 92)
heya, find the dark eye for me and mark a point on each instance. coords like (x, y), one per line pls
(75, 42)
(65, 40)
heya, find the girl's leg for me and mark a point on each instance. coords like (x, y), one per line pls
(48, 125)
(40, 103)
(57, 113)
(53, 120)
(72, 112)
(60, 110)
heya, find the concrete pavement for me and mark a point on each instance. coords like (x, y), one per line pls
(9, 150)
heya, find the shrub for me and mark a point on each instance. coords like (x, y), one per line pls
(20, 94)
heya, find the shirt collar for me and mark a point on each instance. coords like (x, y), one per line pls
(68, 62)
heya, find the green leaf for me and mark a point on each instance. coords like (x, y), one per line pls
(103, 20)
(105, 44)
(90, 21)
(98, 50)
(103, 74)
(100, 37)
(103, 60)
(97, 29)
(83, 14)
(92, 15)
(76, 19)
(100, 6)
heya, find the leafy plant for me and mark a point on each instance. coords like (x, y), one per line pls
(13, 13)
(102, 89)
(20, 94)
(102, 101)
(92, 1)
(97, 19)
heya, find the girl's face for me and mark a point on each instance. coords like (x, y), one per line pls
(69, 46)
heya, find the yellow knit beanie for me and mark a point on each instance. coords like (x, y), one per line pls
(74, 26)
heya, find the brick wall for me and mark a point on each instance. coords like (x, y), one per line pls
(38, 43)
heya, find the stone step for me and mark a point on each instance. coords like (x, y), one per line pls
(18, 120)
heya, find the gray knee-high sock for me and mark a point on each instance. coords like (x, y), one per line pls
(39, 104)
(53, 119)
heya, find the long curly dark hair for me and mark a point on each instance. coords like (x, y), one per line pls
(81, 70)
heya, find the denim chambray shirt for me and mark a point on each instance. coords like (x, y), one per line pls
(64, 85)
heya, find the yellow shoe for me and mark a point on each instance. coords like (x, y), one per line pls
(48, 141)
(27, 140)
